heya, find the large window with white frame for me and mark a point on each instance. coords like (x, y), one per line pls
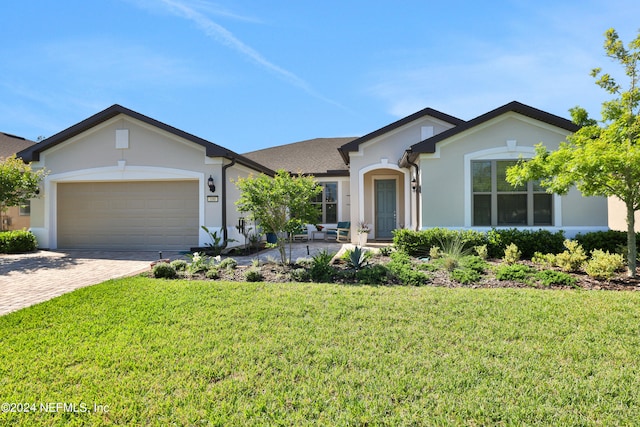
(495, 202)
(327, 203)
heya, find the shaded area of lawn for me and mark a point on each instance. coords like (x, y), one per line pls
(214, 353)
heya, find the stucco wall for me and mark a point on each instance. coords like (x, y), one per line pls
(152, 154)
(446, 179)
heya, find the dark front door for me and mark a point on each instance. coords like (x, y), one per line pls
(385, 207)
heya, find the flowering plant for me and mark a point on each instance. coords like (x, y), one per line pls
(319, 227)
(363, 228)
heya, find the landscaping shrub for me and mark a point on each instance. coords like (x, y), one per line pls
(253, 274)
(516, 272)
(481, 251)
(300, 275)
(357, 257)
(164, 270)
(475, 263)
(228, 264)
(465, 276)
(304, 262)
(511, 254)
(402, 268)
(321, 270)
(450, 263)
(470, 270)
(386, 250)
(377, 274)
(571, 259)
(529, 242)
(435, 252)
(17, 241)
(603, 265)
(552, 277)
(179, 264)
(609, 241)
(418, 243)
(212, 273)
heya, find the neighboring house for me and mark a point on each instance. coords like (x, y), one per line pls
(16, 217)
(120, 180)
(618, 215)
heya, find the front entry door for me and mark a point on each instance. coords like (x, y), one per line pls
(385, 208)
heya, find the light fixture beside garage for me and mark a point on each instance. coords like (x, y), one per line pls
(211, 184)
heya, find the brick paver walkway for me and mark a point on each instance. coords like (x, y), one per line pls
(28, 279)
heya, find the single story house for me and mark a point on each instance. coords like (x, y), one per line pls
(16, 217)
(121, 180)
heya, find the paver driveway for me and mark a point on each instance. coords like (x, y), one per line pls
(28, 279)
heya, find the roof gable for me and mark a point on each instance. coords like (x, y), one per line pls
(212, 150)
(429, 145)
(355, 144)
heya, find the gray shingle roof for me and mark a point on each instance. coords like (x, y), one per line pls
(319, 156)
(11, 144)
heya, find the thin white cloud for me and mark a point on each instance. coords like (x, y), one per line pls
(222, 35)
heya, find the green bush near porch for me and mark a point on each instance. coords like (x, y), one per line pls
(418, 243)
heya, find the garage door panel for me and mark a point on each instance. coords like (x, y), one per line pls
(128, 215)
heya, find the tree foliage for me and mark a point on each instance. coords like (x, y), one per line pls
(601, 158)
(18, 182)
(280, 204)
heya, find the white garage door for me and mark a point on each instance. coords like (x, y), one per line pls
(137, 215)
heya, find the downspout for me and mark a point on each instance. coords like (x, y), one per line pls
(417, 192)
(225, 234)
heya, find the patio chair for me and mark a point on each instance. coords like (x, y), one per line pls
(342, 233)
(301, 234)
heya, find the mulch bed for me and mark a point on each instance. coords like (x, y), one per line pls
(275, 273)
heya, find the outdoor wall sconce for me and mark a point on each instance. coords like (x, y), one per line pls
(211, 185)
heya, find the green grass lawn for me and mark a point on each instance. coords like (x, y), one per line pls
(154, 352)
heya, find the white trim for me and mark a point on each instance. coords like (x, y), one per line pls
(407, 188)
(510, 151)
(121, 173)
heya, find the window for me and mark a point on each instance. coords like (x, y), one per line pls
(498, 203)
(25, 209)
(327, 202)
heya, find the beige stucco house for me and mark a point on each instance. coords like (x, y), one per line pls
(121, 180)
(431, 169)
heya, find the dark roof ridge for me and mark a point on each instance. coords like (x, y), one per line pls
(354, 145)
(429, 145)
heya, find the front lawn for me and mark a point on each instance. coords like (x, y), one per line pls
(156, 352)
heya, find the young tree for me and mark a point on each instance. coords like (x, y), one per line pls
(18, 182)
(280, 204)
(600, 159)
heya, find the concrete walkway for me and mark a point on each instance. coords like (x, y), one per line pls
(28, 279)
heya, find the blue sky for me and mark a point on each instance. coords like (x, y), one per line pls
(253, 74)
